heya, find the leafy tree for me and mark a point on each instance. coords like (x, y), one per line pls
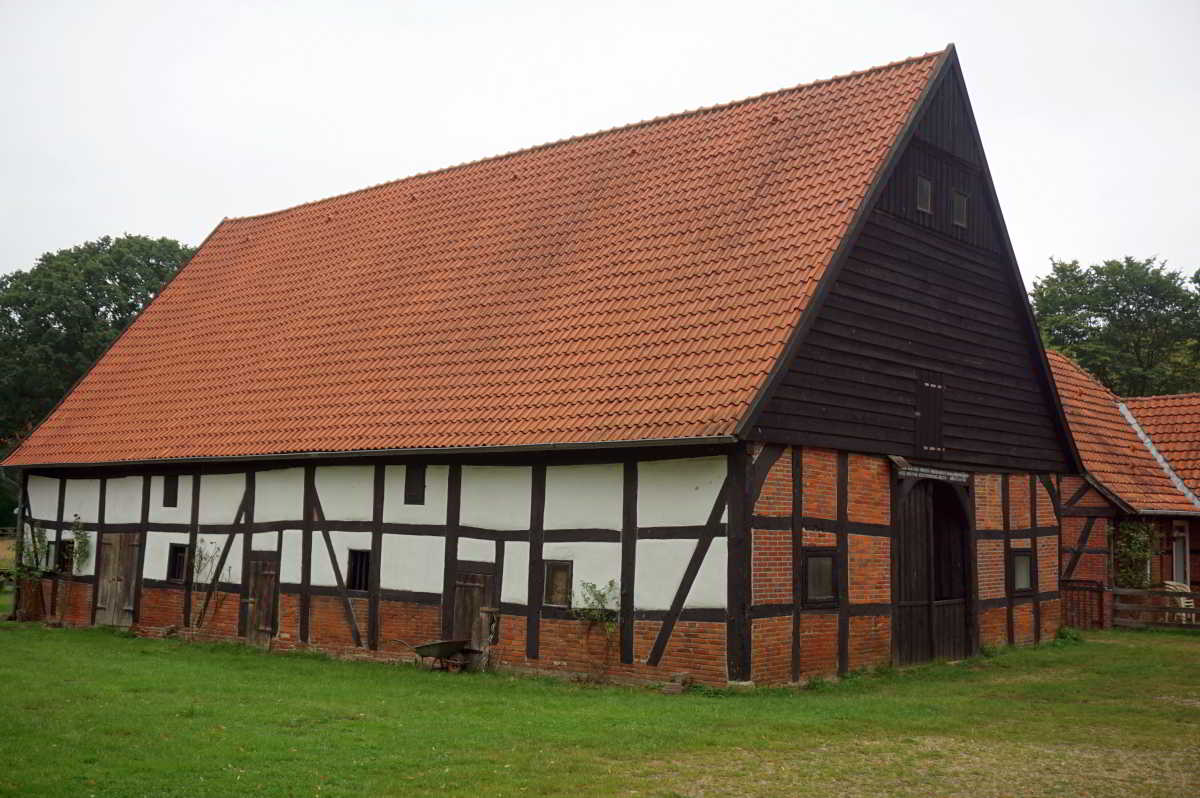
(58, 317)
(1134, 324)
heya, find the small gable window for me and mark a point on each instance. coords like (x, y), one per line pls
(558, 583)
(959, 215)
(176, 562)
(924, 194)
(171, 490)
(358, 570)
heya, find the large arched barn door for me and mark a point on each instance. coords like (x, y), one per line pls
(932, 574)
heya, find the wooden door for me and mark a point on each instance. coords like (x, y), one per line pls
(932, 590)
(118, 578)
(261, 591)
(473, 590)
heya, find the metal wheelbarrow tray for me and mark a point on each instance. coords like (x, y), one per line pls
(450, 655)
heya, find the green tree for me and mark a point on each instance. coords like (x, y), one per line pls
(1132, 323)
(58, 317)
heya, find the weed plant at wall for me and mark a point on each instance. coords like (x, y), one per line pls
(1131, 553)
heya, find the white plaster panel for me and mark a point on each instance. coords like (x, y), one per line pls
(584, 496)
(82, 499)
(709, 588)
(433, 511)
(678, 492)
(158, 547)
(322, 568)
(123, 501)
(515, 587)
(412, 562)
(232, 572)
(346, 492)
(591, 562)
(477, 550)
(660, 566)
(496, 497)
(181, 513)
(264, 541)
(220, 497)
(279, 495)
(43, 500)
(292, 557)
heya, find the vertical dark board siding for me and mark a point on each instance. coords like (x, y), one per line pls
(629, 531)
(737, 635)
(843, 560)
(450, 561)
(537, 567)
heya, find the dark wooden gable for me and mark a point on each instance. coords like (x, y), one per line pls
(922, 344)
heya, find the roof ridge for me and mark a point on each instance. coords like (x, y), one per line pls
(1190, 394)
(598, 133)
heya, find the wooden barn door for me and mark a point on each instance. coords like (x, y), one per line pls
(932, 598)
(118, 578)
(474, 589)
(264, 577)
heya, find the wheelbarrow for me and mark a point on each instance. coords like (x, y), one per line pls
(449, 655)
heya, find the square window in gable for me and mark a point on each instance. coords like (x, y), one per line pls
(924, 195)
(959, 210)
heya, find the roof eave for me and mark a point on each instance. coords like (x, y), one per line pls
(532, 448)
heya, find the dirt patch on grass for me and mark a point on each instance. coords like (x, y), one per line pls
(925, 766)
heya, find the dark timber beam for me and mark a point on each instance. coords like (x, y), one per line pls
(450, 554)
(1008, 577)
(843, 558)
(377, 496)
(62, 501)
(98, 556)
(629, 537)
(247, 545)
(537, 566)
(306, 533)
(190, 562)
(144, 525)
(737, 635)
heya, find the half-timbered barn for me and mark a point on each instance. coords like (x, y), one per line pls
(1129, 448)
(766, 367)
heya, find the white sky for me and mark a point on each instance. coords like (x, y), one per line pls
(160, 118)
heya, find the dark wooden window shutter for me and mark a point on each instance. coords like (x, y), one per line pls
(170, 496)
(928, 427)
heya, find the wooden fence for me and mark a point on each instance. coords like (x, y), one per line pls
(1157, 609)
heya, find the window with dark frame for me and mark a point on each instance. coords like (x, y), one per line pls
(924, 195)
(1021, 570)
(959, 209)
(819, 583)
(558, 583)
(177, 562)
(66, 556)
(414, 484)
(170, 496)
(358, 570)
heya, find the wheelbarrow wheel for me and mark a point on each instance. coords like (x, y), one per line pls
(456, 663)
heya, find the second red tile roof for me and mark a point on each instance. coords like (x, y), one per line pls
(1173, 423)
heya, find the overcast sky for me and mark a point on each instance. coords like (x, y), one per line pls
(160, 118)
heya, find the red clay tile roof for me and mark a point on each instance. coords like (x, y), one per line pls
(1173, 423)
(1111, 450)
(633, 284)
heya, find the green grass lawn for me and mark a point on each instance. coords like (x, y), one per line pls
(91, 712)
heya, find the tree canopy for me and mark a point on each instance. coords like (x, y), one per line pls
(1134, 324)
(59, 316)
